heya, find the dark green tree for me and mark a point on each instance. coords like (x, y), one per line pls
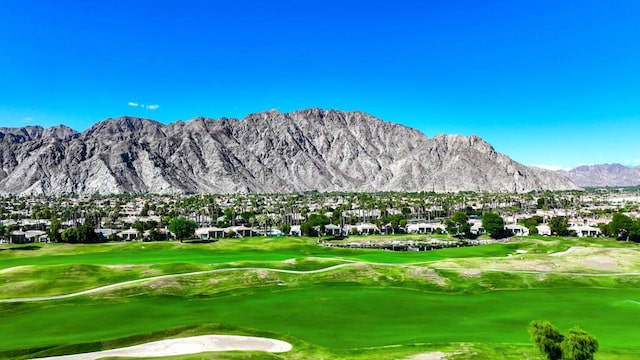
(155, 235)
(634, 231)
(493, 224)
(619, 226)
(86, 232)
(145, 209)
(579, 345)
(314, 225)
(531, 223)
(285, 228)
(140, 227)
(559, 225)
(70, 235)
(546, 338)
(182, 227)
(54, 230)
(458, 225)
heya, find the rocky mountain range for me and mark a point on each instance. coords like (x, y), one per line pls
(604, 175)
(314, 149)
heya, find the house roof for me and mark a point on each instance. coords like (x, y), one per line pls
(207, 230)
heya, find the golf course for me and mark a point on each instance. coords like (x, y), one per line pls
(327, 302)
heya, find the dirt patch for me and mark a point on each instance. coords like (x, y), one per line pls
(603, 259)
(471, 273)
(428, 274)
(290, 262)
(600, 263)
(576, 259)
(265, 274)
(165, 283)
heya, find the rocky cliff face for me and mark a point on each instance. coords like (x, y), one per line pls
(312, 149)
(604, 175)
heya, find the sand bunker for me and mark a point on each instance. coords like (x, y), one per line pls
(436, 355)
(185, 346)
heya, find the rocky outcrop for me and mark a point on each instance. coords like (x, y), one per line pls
(313, 149)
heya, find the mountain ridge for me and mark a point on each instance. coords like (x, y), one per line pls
(604, 175)
(312, 149)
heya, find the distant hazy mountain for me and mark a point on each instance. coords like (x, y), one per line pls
(265, 152)
(604, 175)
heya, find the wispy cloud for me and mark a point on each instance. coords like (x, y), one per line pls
(27, 120)
(148, 107)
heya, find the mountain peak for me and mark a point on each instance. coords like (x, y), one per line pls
(271, 151)
(123, 125)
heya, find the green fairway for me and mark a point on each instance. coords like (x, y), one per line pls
(340, 316)
(370, 309)
(252, 249)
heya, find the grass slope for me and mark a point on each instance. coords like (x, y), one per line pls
(363, 310)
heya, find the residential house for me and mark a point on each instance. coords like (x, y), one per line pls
(585, 231)
(17, 237)
(367, 229)
(207, 233)
(424, 228)
(476, 227)
(241, 231)
(517, 230)
(128, 235)
(544, 229)
(332, 230)
(29, 236)
(295, 230)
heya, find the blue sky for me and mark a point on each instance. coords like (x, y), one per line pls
(553, 83)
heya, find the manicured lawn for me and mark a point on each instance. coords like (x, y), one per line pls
(340, 316)
(252, 249)
(353, 312)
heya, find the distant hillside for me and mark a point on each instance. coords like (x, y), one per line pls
(313, 149)
(604, 175)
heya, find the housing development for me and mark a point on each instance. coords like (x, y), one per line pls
(147, 217)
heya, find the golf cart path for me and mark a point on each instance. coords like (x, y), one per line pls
(347, 263)
(568, 251)
(186, 346)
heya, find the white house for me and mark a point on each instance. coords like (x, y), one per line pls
(544, 229)
(29, 236)
(517, 229)
(332, 230)
(476, 228)
(424, 228)
(367, 229)
(295, 230)
(585, 231)
(241, 231)
(128, 235)
(207, 233)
